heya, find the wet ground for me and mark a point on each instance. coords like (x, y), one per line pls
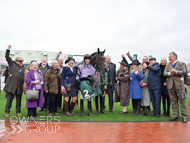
(93, 132)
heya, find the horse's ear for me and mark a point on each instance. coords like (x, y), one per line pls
(98, 50)
(104, 51)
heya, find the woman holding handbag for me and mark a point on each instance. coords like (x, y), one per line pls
(68, 78)
(51, 86)
(34, 81)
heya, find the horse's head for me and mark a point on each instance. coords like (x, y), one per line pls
(98, 59)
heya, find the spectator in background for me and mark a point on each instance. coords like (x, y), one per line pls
(44, 67)
(111, 73)
(135, 88)
(6, 73)
(175, 72)
(145, 102)
(154, 84)
(60, 61)
(14, 84)
(165, 95)
(51, 86)
(33, 80)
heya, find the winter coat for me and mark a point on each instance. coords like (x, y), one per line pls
(15, 80)
(135, 88)
(154, 77)
(29, 78)
(52, 80)
(122, 90)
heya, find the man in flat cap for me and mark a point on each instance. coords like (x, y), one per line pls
(175, 71)
(154, 85)
(14, 84)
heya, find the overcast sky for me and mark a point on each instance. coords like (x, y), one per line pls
(143, 27)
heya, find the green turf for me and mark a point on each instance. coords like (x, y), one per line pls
(109, 116)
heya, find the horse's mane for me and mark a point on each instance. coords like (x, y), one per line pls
(93, 54)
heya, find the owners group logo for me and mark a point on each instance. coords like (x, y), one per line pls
(42, 125)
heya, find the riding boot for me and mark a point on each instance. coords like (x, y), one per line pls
(89, 105)
(102, 105)
(66, 108)
(81, 107)
(138, 106)
(145, 110)
(72, 108)
(96, 102)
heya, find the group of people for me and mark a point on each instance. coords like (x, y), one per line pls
(144, 83)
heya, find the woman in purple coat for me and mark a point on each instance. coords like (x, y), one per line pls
(34, 77)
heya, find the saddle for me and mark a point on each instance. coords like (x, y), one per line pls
(92, 80)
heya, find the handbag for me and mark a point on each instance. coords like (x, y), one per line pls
(32, 94)
(68, 86)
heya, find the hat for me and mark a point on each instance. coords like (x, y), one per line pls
(123, 62)
(19, 59)
(70, 58)
(153, 58)
(135, 62)
(87, 56)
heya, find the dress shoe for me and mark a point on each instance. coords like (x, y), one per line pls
(153, 114)
(19, 114)
(103, 111)
(157, 115)
(57, 114)
(173, 118)
(184, 120)
(137, 112)
(41, 109)
(121, 112)
(134, 111)
(96, 112)
(7, 114)
(167, 114)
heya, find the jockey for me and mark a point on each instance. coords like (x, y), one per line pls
(85, 70)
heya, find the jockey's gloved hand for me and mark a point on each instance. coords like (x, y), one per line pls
(78, 81)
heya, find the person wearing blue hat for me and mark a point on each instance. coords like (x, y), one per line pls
(68, 81)
(135, 87)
